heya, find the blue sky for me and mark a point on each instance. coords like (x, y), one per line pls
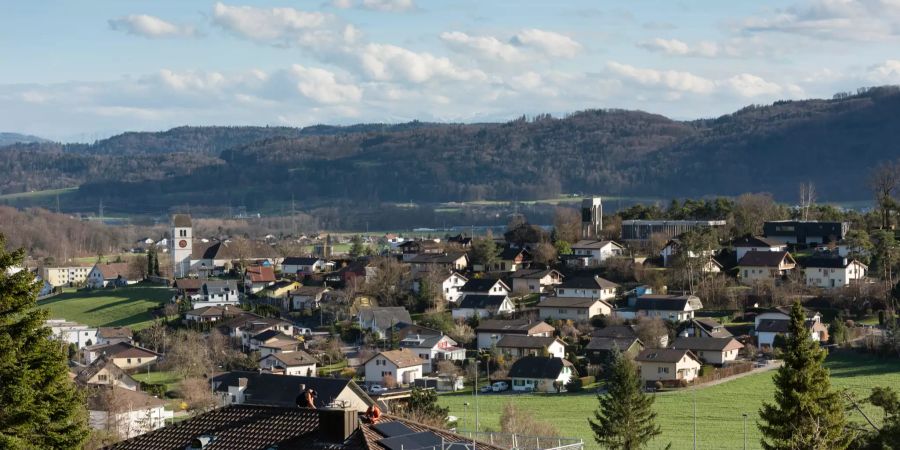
(87, 69)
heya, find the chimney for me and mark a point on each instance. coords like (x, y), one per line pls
(336, 424)
(242, 382)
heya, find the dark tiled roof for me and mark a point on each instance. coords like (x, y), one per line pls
(515, 326)
(568, 302)
(114, 332)
(384, 316)
(594, 282)
(420, 340)
(666, 355)
(712, 327)
(537, 367)
(593, 244)
(219, 287)
(708, 344)
(297, 358)
(299, 261)
(764, 259)
(662, 302)
(85, 374)
(616, 331)
(372, 436)
(270, 334)
(437, 258)
(509, 253)
(773, 326)
(282, 390)
(123, 350)
(520, 341)
(608, 343)
(827, 262)
(533, 274)
(482, 301)
(240, 427)
(481, 285)
(756, 241)
(401, 358)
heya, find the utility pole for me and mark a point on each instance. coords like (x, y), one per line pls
(745, 431)
(695, 418)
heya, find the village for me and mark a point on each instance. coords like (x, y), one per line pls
(483, 315)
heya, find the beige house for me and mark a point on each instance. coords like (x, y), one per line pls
(833, 272)
(403, 366)
(535, 281)
(573, 308)
(292, 363)
(763, 266)
(103, 372)
(122, 354)
(587, 287)
(668, 365)
(489, 332)
(717, 351)
(519, 346)
(65, 276)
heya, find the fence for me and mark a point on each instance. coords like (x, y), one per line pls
(725, 372)
(524, 442)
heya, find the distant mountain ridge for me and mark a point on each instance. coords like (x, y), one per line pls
(15, 138)
(833, 143)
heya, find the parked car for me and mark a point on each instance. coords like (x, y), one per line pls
(377, 389)
(304, 331)
(499, 386)
(486, 389)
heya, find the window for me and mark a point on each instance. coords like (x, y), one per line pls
(102, 377)
(563, 311)
(129, 360)
(662, 370)
(139, 360)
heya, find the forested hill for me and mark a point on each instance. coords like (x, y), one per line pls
(773, 148)
(7, 138)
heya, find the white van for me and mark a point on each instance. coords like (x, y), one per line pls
(499, 386)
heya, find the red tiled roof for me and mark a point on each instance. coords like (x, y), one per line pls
(261, 274)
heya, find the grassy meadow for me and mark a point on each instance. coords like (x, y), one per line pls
(127, 306)
(719, 408)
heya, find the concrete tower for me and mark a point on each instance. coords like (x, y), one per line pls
(182, 245)
(591, 218)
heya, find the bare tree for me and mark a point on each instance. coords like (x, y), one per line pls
(137, 267)
(390, 280)
(567, 223)
(516, 421)
(807, 198)
(752, 210)
(884, 182)
(197, 393)
(189, 354)
(545, 253)
(652, 332)
(462, 333)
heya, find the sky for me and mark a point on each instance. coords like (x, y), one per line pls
(84, 70)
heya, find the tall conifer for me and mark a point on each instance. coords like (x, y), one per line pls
(625, 419)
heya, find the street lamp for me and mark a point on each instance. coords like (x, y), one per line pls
(475, 388)
(465, 414)
(745, 430)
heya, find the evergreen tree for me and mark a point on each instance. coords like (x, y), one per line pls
(625, 419)
(39, 405)
(356, 246)
(837, 332)
(807, 413)
(484, 251)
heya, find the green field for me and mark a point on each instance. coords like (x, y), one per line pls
(170, 379)
(108, 307)
(38, 194)
(719, 408)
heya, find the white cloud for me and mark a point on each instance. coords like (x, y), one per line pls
(886, 72)
(674, 47)
(376, 5)
(668, 79)
(483, 47)
(280, 26)
(748, 85)
(322, 86)
(857, 20)
(150, 27)
(384, 62)
(191, 81)
(548, 42)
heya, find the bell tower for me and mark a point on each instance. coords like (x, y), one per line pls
(591, 218)
(182, 245)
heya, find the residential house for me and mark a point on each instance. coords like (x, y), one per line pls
(380, 319)
(775, 321)
(125, 355)
(541, 374)
(450, 284)
(805, 231)
(717, 351)
(756, 244)
(702, 327)
(573, 308)
(833, 271)
(216, 258)
(446, 261)
(125, 412)
(673, 247)
(113, 335)
(668, 365)
(293, 265)
(485, 286)
(411, 249)
(489, 332)
(211, 314)
(188, 287)
(630, 331)
(307, 297)
(273, 341)
(510, 259)
(483, 305)
(104, 372)
(591, 253)
(432, 348)
(765, 266)
(217, 293)
(244, 325)
(267, 389)
(109, 274)
(674, 308)
(394, 368)
(278, 293)
(257, 278)
(587, 287)
(532, 281)
(518, 346)
(66, 276)
(291, 363)
(72, 332)
(600, 348)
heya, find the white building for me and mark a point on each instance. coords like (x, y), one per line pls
(483, 305)
(518, 346)
(833, 272)
(674, 308)
(125, 412)
(590, 253)
(756, 244)
(587, 287)
(402, 367)
(717, 351)
(541, 374)
(109, 274)
(217, 293)
(450, 285)
(72, 332)
(291, 363)
(489, 332)
(433, 348)
(777, 321)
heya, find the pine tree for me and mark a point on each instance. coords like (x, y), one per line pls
(625, 418)
(807, 413)
(356, 246)
(39, 405)
(151, 256)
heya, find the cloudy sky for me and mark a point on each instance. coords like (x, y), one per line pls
(81, 70)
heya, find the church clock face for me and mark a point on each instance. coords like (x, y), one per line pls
(182, 243)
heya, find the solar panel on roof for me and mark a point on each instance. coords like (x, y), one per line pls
(415, 441)
(391, 429)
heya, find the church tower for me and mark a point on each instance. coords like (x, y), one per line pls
(182, 245)
(591, 218)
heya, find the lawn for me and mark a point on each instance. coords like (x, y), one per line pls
(719, 408)
(108, 307)
(168, 378)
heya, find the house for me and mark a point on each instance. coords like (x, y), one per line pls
(245, 326)
(702, 327)
(292, 363)
(274, 340)
(510, 259)
(587, 287)
(775, 321)
(394, 368)
(217, 293)
(518, 346)
(667, 364)
(109, 274)
(674, 308)
(278, 293)
(380, 319)
(188, 287)
(717, 351)
(307, 297)
(764, 266)
(756, 244)
(630, 331)
(125, 355)
(485, 286)
(432, 348)
(591, 253)
(125, 412)
(447, 261)
(673, 247)
(211, 313)
(483, 305)
(302, 265)
(573, 308)
(66, 276)
(805, 231)
(411, 249)
(216, 258)
(832, 271)
(489, 332)
(72, 332)
(600, 348)
(257, 278)
(450, 284)
(267, 389)
(535, 280)
(541, 374)
(113, 335)
(104, 372)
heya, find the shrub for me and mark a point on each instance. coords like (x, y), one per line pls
(158, 390)
(706, 369)
(588, 380)
(658, 385)
(575, 385)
